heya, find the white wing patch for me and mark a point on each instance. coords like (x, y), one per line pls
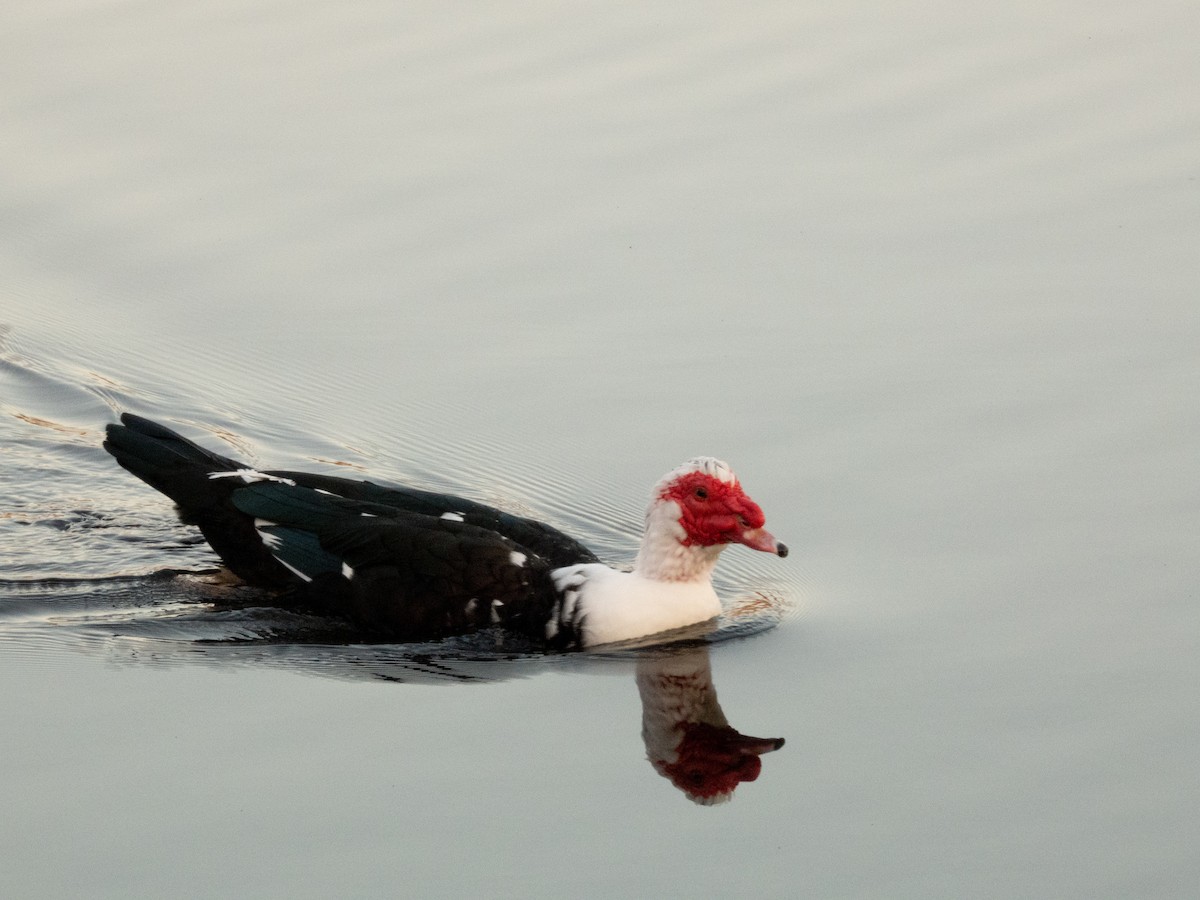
(496, 604)
(452, 516)
(273, 542)
(249, 476)
(569, 582)
(347, 572)
(517, 559)
(293, 569)
(270, 541)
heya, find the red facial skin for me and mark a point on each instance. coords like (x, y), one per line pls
(716, 512)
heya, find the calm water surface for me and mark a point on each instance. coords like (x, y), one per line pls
(927, 279)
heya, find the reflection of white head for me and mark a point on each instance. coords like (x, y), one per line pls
(688, 739)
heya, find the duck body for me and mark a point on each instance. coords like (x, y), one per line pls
(400, 563)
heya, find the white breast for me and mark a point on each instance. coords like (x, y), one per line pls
(606, 606)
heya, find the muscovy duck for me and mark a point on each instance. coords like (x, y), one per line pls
(405, 564)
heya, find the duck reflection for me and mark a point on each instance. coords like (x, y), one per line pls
(688, 739)
(185, 620)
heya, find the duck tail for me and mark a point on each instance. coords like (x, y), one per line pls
(190, 476)
(166, 461)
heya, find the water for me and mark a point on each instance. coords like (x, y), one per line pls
(926, 278)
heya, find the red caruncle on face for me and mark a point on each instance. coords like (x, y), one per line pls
(713, 511)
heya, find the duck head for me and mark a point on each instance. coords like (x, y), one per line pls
(695, 512)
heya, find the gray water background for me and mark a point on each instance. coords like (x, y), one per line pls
(926, 276)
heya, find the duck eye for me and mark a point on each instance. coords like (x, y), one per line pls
(702, 493)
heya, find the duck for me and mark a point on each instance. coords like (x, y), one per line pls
(399, 563)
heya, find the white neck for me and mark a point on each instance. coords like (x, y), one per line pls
(675, 690)
(663, 556)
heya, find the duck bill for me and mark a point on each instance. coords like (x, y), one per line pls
(756, 746)
(761, 539)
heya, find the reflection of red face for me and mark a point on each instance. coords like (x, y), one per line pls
(714, 512)
(713, 761)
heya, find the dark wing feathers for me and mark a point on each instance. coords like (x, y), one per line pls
(300, 551)
(382, 556)
(398, 572)
(551, 544)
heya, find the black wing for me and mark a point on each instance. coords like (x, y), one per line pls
(394, 572)
(556, 548)
(399, 561)
(184, 471)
